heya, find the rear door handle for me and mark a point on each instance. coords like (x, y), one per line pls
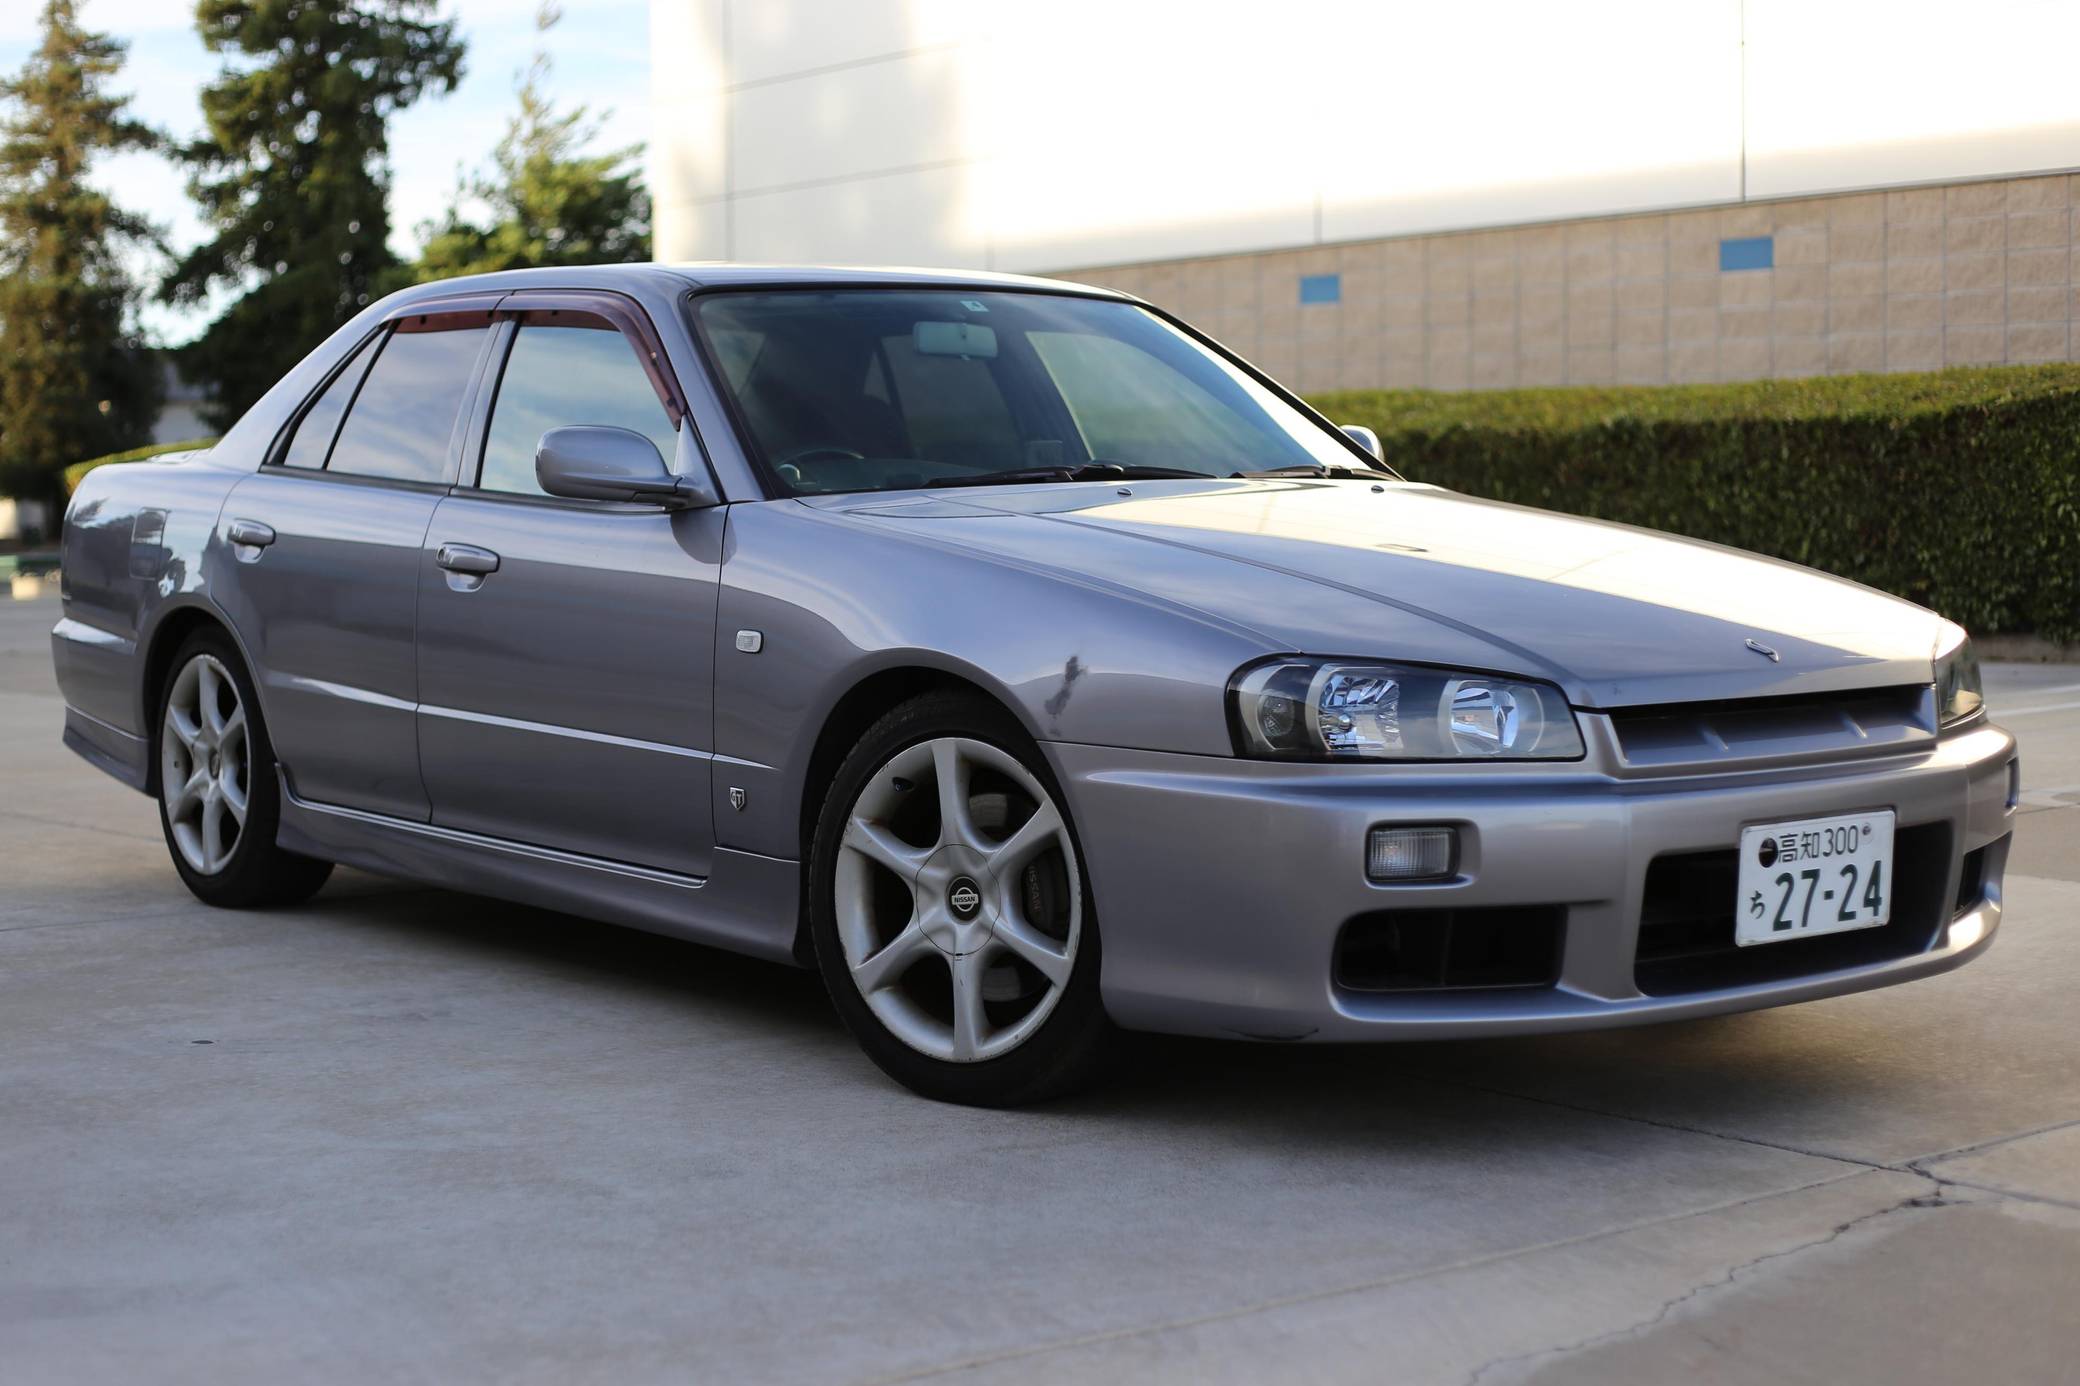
(466, 558)
(250, 532)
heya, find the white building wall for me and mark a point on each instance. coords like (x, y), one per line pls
(1041, 134)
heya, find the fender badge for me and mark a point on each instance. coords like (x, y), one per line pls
(1765, 651)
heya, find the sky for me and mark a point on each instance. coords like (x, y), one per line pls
(601, 57)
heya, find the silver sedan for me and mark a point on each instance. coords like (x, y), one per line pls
(1020, 659)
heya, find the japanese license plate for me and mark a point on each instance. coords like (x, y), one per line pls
(1814, 876)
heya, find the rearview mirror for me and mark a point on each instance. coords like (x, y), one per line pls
(968, 340)
(1366, 439)
(594, 462)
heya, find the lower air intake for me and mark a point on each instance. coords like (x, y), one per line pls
(1451, 950)
(1686, 936)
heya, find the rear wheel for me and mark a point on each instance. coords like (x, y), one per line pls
(219, 802)
(952, 919)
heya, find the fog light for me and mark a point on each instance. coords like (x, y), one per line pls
(1410, 854)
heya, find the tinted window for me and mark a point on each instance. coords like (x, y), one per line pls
(884, 389)
(314, 434)
(557, 376)
(950, 405)
(402, 419)
(1130, 407)
(737, 352)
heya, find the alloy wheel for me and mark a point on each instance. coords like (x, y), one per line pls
(205, 764)
(959, 899)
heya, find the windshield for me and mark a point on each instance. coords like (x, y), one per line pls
(876, 390)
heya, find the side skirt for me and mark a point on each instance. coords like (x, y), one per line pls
(747, 905)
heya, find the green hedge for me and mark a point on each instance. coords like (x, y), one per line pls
(79, 469)
(1957, 489)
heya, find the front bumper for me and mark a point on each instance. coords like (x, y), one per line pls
(1222, 885)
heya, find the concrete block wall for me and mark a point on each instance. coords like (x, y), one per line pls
(1972, 273)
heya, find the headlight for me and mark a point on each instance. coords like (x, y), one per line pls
(1322, 709)
(1958, 695)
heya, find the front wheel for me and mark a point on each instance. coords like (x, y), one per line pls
(218, 800)
(952, 918)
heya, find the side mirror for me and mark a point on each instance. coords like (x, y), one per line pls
(1366, 439)
(593, 462)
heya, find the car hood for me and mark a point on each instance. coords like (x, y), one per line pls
(1617, 616)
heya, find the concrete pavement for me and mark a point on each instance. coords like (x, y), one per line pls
(409, 1135)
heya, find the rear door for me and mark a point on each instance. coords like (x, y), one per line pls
(566, 648)
(328, 536)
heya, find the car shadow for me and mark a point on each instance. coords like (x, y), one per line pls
(620, 960)
(1769, 1062)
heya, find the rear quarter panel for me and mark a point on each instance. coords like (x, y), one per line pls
(135, 540)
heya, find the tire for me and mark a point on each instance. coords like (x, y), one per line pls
(962, 955)
(219, 796)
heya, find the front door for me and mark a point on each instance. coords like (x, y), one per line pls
(566, 647)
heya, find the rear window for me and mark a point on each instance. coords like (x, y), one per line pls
(404, 417)
(320, 422)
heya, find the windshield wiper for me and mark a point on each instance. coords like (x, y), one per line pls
(1323, 469)
(1089, 471)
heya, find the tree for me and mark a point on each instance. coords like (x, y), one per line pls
(292, 173)
(549, 202)
(74, 380)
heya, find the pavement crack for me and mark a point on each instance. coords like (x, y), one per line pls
(1338, 1291)
(2019, 1195)
(1933, 1199)
(1667, 1125)
(1918, 1163)
(1950, 1181)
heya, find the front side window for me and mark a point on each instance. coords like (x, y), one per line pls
(883, 389)
(574, 371)
(401, 422)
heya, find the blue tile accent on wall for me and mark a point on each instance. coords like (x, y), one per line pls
(1748, 252)
(1321, 288)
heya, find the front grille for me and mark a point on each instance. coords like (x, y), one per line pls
(1451, 950)
(1868, 721)
(1686, 921)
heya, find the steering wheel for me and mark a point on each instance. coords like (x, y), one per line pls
(829, 450)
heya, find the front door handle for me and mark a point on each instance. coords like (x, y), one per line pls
(251, 533)
(466, 558)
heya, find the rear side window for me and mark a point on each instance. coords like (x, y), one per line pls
(403, 418)
(565, 374)
(320, 422)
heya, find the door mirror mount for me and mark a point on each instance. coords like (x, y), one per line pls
(594, 462)
(1366, 439)
(690, 466)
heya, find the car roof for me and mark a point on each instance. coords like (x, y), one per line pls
(724, 274)
(673, 279)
